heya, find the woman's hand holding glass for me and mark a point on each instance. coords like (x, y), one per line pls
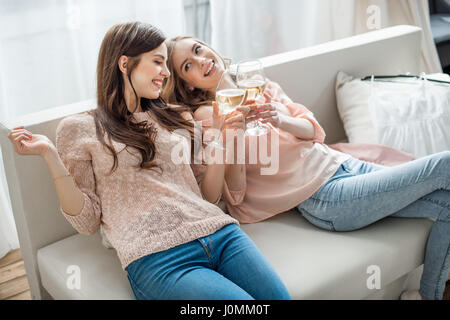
(222, 124)
(250, 77)
(228, 98)
(234, 120)
(266, 112)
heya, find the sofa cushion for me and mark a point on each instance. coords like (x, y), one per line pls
(319, 264)
(101, 275)
(313, 263)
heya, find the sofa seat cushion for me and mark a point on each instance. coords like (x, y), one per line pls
(313, 263)
(101, 275)
(319, 264)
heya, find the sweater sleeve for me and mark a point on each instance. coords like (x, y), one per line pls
(296, 110)
(199, 171)
(235, 197)
(232, 197)
(300, 111)
(73, 136)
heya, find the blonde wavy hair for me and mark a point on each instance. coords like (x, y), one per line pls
(176, 90)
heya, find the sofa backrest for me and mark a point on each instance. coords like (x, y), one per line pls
(307, 76)
(32, 192)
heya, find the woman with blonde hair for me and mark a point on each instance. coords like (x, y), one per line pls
(113, 167)
(331, 189)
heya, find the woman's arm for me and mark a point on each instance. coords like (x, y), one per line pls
(70, 196)
(301, 128)
(275, 113)
(281, 112)
(235, 183)
(26, 143)
(218, 175)
(71, 168)
(212, 181)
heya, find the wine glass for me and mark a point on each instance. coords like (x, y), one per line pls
(250, 77)
(228, 96)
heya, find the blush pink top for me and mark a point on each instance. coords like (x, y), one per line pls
(375, 153)
(304, 166)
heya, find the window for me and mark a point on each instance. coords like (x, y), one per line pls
(49, 49)
(198, 19)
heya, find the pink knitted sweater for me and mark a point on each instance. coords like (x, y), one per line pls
(141, 211)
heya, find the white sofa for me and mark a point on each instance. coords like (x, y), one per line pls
(313, 263)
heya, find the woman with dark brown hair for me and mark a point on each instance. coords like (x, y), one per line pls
(114, 167)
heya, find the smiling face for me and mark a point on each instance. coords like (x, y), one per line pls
(198, 65)
(148, 76)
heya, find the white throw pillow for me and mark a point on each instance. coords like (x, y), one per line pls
(413, 117)
(352, 102)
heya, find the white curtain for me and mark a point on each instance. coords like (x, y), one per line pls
(257, 28)
(8, 235)
(48, 56)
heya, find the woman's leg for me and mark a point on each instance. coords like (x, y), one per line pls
(236, 257)
(360, 194)
(437, 253)
(181, 273)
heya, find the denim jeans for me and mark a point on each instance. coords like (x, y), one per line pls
(361, 193)
(226, 265)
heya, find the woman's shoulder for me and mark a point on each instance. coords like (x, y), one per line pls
(187, 115)
(203, 113)
(81, 121)
(272, 85)
(76, 127)
(274, 90)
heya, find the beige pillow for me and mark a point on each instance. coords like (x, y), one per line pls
(352, 102)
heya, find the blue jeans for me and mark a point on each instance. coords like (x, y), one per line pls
(361, 193)
(226, 265)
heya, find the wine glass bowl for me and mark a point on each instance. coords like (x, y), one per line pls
(251, 78)
(229, 99)
(228, 96)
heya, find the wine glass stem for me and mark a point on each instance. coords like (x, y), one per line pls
(217, 142)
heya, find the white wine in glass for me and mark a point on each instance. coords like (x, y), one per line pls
(254, 87)
(228, 97)
(250, 77)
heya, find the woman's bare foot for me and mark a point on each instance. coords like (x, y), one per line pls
(411, 295)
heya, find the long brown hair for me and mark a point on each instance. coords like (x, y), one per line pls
(176, 90)
(112, 115)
